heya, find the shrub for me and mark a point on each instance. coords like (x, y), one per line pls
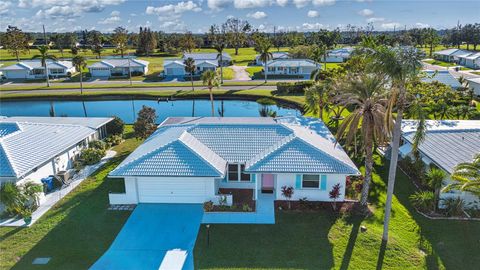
(98, 145)
(423, 200)
(137, 73)
(20, 199)
(415, 169)
(91, 156)
(208, 206)
(266, 101)
(246, 208)
(454, 206)
(113, 140)
(287, 192)
(353, 186)
(11, 197)
(334, 194)
(116, 126)
(293, 87)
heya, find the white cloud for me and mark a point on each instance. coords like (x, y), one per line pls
(115, 13)
(66, 8)
(313, 14)
(422, 25)
(362, 1)
(257, 15)
(312, 26)
(366, 12)
(301, 3)
(390, 25)
(323, 2)
(57, 12)
(110, 20)
(282, 3)
(168, 10)
(4, 7)
(375, 19)
(218, 5)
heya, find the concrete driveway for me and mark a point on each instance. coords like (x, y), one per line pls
(156, 236)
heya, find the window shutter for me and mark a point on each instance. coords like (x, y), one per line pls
(323, 182)
(298, 181)
(253, 177)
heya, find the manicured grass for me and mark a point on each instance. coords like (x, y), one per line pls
(253, 69)
(440, 63)
(76, 231)
(228, 73)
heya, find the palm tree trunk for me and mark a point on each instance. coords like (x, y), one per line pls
(265, 69)
(320, 109)
(368, 171)
(437, 195)
(395, 145)
(221, 68)
(46, 74)
(81, 82)
(211, 101)
(191, 80)
(16, 55)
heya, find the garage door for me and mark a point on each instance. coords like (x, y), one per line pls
(100, 73)
(175, 71)
(175, 190)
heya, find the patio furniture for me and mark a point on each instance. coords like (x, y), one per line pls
(65, 176)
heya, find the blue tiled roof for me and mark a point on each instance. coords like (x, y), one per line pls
(203, 148)
(299, 156)
(239, 143)
(443, 77)
(173, 159)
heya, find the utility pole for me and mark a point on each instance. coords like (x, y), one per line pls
(46, 64)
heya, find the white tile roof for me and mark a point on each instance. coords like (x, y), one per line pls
(206, 56)
(113, 63)
(92, 122)
(35, 143)
(292, 63)
(36, 64)
(447, 142)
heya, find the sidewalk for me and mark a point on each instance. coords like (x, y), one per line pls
(52, 198)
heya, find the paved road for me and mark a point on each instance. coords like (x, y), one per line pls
(6, 93)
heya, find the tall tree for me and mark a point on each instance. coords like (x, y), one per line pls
(80, 63)
(95, 41)
(435, 178)
(237, 30)
(188, 43)
(400, 65)
(316, 98)
(44, 56)
(432, 39)
(263, 46)
(210, 79)
(147, 41)
(15, 41)
(366, 93)
(466, 176)
(120, 40)
(220, 47)
(190, 68)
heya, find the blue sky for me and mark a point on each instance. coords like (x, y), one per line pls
(198, 15)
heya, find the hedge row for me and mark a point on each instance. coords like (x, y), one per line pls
(293, 87)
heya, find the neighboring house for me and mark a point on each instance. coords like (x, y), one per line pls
(32, 148)
(33, 69)
(210, 57)
(176, 67)
(447, 143)
(450, 55)
(118, 67)
(195, 159)
(292, 67)
(474, 84)
(339, 55)
(471, 60)
(41, 42)
(275, 56)
(442, 76)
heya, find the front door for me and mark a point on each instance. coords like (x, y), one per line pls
(268, 183)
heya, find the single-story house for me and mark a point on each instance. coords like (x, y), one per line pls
(295, 67)
(339, 55)
(176, 67)
(474, 84)
(32, 148)
(195, 159)
(447, 143)
(33, 69)
(211, 57)
(471, 60)
(442, 76)
(118, 67)
(275, 56)
(450, 55)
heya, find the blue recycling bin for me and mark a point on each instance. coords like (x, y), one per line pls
(48, 183)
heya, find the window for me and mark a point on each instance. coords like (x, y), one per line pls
(232, 172)
(236, 173)
(244, 176)
(311, 181)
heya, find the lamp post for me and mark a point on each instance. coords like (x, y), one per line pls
(208, 235)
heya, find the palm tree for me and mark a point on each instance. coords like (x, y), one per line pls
(263, 47)
(316, 98)
(44, 56)
(366, 93)
(466, 176)
(220, 46)
(435, 178)
(80, 63)
(190, 68)
(210, 79)
(400, 65)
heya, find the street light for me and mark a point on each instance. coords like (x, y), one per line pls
(208, 235)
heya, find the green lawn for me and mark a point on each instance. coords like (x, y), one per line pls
(439, 63)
